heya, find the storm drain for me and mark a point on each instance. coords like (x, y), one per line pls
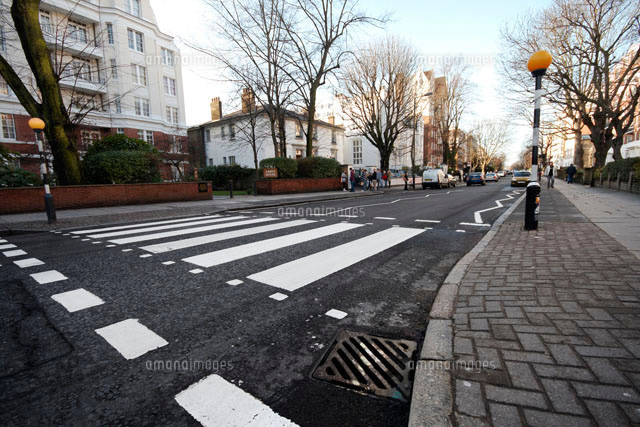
(370, 364)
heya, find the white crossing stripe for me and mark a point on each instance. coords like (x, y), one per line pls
(278, 296)
(235, 282)
(2, 247)
(3, 241)
(215, 402)
(384, 217)
(28, 262)
(428, 220)
(211, 238)
(77, 300)
(131, 338)
(164, 227)
(250, 249)
(336, 314)
(48, 277)
(141, 224)
(10, 254)
(155, 236)
(300, 272)
(168, 263)
(196, 271)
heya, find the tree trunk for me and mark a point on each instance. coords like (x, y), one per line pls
(578, 151)
(282, 134)
(311, 112)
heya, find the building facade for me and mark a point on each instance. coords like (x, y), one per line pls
(118, 73)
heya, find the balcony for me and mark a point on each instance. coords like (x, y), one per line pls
(76, 45)
(82, 85)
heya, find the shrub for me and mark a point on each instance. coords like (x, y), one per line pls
(221, 175)
(623, 167)
(17, 177)
(318, 167)
(121, 167)
(119, 142)
(287, 168)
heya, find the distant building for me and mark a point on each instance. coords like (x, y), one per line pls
(115, 66)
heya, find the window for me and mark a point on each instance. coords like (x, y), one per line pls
(114, 69)
(298, 130)
(628, 138)
(298, 153)
(170, 86)
(357, 152)
(81, 69)
(167, 57)
(172, 115)
(232, 131)
(8, 126)
(145, 135)
(136, 40)
(45, 22)
(232, 160)
(222, 132)
(139, 74)
(120, 131)
(224, 160)
(334, 137)
(142, 107)
(4, 88)
(110, 38)
(133, 7)
(77, 31)
(207, 135)
(118, 105)
(210, 161)
(88, 138)
(315, 133)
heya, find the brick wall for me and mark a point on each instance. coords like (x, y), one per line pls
(18, 200)
(297, 185)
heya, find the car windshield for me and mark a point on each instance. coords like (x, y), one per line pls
(523, 173)
(476, 174)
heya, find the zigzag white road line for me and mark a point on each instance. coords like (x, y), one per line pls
(478, 218)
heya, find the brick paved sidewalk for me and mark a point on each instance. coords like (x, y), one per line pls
(557, 313)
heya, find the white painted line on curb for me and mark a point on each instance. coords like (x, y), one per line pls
(140, 224)
(48, 277)
(77, 300)
(10, 254)
(278, 296)
(215, 402)
(28, 262)
(235, 282)
(336, 314)
(130, 338)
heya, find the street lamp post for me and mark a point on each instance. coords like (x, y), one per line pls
(537, 65)
(38, 125)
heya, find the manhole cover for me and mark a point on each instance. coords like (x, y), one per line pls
(370, 364)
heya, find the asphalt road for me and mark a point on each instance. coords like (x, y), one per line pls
(56, 369)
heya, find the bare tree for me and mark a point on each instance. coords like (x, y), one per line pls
(378, 93)
(491, 137)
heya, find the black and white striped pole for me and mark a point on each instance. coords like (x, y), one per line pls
(537, 65)
(38, 125)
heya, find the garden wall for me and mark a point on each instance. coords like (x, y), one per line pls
(297, 185)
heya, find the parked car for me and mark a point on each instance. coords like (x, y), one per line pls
(434, 178)
(491, 176)
(452, 180)
(521, 178)
(475, 178)
(502, 173)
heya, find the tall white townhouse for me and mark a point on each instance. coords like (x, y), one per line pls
(118, 74)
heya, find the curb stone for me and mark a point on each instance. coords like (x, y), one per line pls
(432, 397)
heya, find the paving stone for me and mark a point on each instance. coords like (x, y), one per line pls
(479, 324)
(567, 327)
(466, 421)
(563, 372)
(602, 337)
(489, 355)
(605, 371)
(606, 392)
(523, 356)
(563, 354)
(571, 307)
(469, 398)
(531, 342)
(565, 339)
(516, 397)
(504, 415)
(633, 412)
(503, 332)
(463, 346)
(632, 345)
(606, 414)
(546, 419)
(522, 376)
(535, 329)
(505, 345)
(602, 351)
(562, 396)
(514, 312)
(599, 314)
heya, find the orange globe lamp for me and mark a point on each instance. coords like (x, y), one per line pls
(539, 62)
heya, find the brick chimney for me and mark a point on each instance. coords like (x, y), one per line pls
(248, 100)
(216, 109)
(331, 120)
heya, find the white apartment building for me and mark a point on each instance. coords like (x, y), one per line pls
(114, 64)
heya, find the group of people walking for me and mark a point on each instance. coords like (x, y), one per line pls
(371, 180)
(551, 172)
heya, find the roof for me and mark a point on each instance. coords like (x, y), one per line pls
(240, 114)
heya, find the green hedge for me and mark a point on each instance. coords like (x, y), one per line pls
(287, 168)
(17, 177)
(318, 167)
(623, 167)
(121, 167)
(221, 175)
(119, 142)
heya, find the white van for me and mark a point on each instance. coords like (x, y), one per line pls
(434, 178)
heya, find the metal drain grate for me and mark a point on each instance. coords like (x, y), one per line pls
(370, 364)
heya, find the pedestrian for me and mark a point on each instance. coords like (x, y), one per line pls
(406, 181)
(380, 181)
(352, 178)
(343, 179)
(389, 176)
(550, 172)
(366, 178)
(571, 171)
(372, 179)
(385, 177)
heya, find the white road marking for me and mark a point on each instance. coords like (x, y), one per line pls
(475, 224)
(168, 263)
(215, 402)
(384, 217)
(7, 247)
(145, 255)
(428, 228)
(300, 272)
(211, 238)
(28, 262)
(235, 282)
(95, 243)
(127, 250)
(48, 277)
(196, 271)
(66, 234)
(336, 314)
(85, 240)
(111, 246)
(131, 338)
(348, 216)
(77, 300)
(3, 241)
(266, 213)
(10, 254)
(173, 233)
(435, 221)
(75, 237)
(250, 249)
(278, 296)
(460, 231)
(478, 218)
(164, 227)
(140, 224)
